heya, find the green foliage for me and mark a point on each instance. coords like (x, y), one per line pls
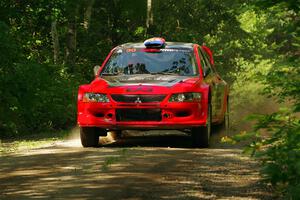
(255, 43)
(284, 81)
(214, 23)
(9, 52)
(276, 137)
(37, 97)
(276, 142)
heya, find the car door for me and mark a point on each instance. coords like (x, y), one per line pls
(216, 83)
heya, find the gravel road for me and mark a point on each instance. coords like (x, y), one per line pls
(150, 166)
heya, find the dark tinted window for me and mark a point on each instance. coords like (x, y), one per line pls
(151, 61)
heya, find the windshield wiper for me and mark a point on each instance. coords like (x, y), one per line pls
(109, 74)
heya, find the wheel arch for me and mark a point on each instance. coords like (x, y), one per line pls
(206, 93)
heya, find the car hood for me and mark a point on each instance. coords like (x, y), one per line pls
(158, 80)
(142, 83)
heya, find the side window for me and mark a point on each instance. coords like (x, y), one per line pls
(204, 63)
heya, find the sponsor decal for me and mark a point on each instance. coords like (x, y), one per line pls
(139, 89)
(131, 50)
(176, 50)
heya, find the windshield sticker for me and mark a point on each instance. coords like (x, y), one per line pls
(119, 51)
(176, 50)
(132, 50)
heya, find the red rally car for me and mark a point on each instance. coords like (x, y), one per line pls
(153, 85)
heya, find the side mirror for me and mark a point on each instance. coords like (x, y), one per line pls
(96, 69)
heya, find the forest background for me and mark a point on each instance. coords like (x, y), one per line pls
(49, 47)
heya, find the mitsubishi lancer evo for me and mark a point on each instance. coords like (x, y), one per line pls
(154, 85)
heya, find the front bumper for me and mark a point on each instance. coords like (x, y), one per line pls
(173, 115)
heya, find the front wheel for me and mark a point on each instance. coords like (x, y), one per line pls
(89, 136)
(201, 135)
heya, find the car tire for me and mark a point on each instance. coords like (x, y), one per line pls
(89, 136)
(201, 135)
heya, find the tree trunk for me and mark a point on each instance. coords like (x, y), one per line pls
(55, 41)
(71, 40)
(88, 14)
(71, 46)
(149, 20)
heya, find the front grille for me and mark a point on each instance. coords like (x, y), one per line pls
(126, 115)
(137, 98)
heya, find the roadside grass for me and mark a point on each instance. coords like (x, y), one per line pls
(31, 141)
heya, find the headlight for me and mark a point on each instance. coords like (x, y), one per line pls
(95, 97)
(185, 97)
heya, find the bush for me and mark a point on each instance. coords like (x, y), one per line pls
(34, 96)
(280, 153)
(37, 97)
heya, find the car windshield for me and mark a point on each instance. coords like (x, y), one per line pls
(151, 61)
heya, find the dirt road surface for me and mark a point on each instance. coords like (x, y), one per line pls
(131, 168)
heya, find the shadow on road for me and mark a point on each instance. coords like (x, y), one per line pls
(141, 167)
(161, 138)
